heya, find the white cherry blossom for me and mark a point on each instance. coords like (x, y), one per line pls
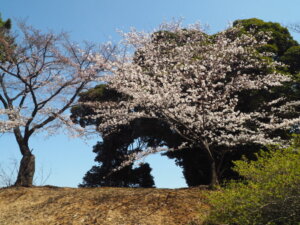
(191, 81)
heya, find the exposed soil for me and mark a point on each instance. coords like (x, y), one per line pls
(111, 206)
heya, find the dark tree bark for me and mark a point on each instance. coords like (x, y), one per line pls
(27, 164)
(26, 171)
(214, 181)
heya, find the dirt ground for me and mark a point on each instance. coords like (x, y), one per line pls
(111, 206)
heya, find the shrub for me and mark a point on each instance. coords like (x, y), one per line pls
(269, 194)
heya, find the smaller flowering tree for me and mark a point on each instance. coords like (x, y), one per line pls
(192, 82)
(40, 79)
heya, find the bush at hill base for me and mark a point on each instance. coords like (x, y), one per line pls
(269, 194)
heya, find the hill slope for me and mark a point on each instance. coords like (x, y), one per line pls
(112, 206)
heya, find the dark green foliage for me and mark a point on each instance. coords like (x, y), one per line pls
(110, 155)
(100, 94)
(280, 41)
(292, 58)
(196, 166)
(112, 151)
(269, 193)
(5, 25)
(6, 41)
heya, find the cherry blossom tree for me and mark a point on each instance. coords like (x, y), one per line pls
(40, 79)
(191, 81)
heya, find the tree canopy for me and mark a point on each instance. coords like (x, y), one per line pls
(186, 86)
(195, 162)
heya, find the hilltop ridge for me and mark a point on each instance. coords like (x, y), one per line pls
(112, 206)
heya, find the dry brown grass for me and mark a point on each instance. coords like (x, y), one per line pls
(112, 206)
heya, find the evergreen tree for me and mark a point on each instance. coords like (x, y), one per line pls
(6, 40)
(112, 151)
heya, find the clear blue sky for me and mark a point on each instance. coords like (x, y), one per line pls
(97, 20)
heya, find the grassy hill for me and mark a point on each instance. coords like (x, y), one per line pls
(111, 206)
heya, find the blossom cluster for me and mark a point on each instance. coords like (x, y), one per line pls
(191, 81)
(14, 120)
(43, 78)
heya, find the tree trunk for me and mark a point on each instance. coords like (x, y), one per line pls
(27, 164)
(26, 171)
(213, 168)
(213, 175)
